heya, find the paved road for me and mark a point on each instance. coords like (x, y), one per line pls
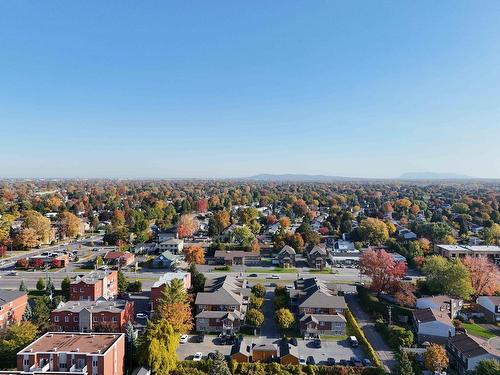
(366, 323)
(269, 328)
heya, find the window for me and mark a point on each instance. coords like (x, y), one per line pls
(95, 319)
(94, 363)
(103, 318)
(75, 319)
(62, 365)
(66, 319)
(56, 318)
(26, 362)
(115, 319)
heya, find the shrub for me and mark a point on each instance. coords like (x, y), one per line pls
(134, 286)
(372, 304)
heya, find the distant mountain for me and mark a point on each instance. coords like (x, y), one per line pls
(433, 176)
(298, 177)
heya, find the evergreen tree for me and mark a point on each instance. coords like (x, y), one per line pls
(65, 287)
(403, 366)
(28, 312)
(197, 279)
(157, 347)
(122, 282)
(22, 287)
(219, 365)
(40, 284)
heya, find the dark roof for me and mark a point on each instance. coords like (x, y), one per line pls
(7, 296)
(265, 347)
(288, 349)
(430, 315)
(322, 318)
(467, 346)
(287, 250)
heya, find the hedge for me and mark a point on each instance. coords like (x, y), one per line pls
(394, 335)
(372, 304)
(276, 369)
(360, 335)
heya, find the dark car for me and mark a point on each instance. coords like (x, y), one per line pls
(211, 356)
(201, 337)
(343, 362)
(293, 341)
(366, 362)
(252, 275)
(331, 361)
(355, 362)
(317, 343)
(310, 360)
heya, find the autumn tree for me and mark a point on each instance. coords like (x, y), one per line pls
(202, 205)
(405, 295)
(285, 222)
(284, 318)
(271, 219)
(178, 314)
(27, 238)
(425, 245)
(157, 347)
(373, 231)
(255, 246)
(13, 339)
(484, 276)
(382, 269)
(259, 290)
(187, 226)
(487, 367)
(435, 358)
(254, 317)
(70, 224)
(447, 277)
(195, 254)
(39, 223)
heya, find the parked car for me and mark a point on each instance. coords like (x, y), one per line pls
(302, 361)
(310, 360)
(317, 343)
(184, 339)
(407, 278)
(141, 315)
(211, 356)
(366, 362)
(353, 341)
(201, 337)
(343, 362)
(355, 361)
(330, 361)
(198, 356)
(293, 341)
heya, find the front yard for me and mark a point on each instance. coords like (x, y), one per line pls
(476, 330)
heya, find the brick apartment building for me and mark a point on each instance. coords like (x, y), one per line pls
(95, 285)
(75, 353)
(166, 278)
(12, 306)
(89, 316)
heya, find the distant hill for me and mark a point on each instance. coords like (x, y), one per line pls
(298, 177)
(433, 176)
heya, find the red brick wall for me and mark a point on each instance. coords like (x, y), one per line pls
(16, 309)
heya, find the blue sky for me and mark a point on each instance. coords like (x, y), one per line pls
(235, 88)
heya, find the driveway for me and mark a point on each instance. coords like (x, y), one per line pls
(368, 326)
(269, 329)
(338, 349)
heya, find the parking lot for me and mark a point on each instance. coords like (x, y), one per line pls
(337, 349)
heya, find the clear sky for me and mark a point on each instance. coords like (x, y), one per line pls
(235, 88)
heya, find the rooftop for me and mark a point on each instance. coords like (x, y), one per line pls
(75, 342)
(7, 296)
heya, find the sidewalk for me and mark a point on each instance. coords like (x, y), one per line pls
(368, 326)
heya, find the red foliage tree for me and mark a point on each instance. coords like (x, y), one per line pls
(187, 226)
(22, 263)
(3, 251)
(202, 205)
(383, 270)
(323, 230)
(37, 263)
(271, 219)
(484, 275)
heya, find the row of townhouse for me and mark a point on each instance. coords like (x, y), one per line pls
(319, 310)
(221, 307)
(245, 352)
(12, 306)
(465, 352)
(492, 253)
(89, 316)
(72, 353)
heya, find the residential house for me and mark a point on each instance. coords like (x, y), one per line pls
(89, 316)
(465, 352)
(317, 257)
(166, 278)
(236, 257)
(286, 256)
(241, 352)
(221, 307)
(165, 236)
(490, 307)
(406, 235)
(319, 310)
(289, 354)
(75, 353)
(119, 259)
(12, 306)
(344, 246)
(94, 285)
(145, 248)
(264, 352)
(166, 260)
(442, 303)
(174, 245)
(432, 325)
(273, 228)
(492, 253)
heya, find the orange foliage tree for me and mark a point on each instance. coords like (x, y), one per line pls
(187, 226)
(195, 255)
(178, 314)
(383, 270)
(484, 275)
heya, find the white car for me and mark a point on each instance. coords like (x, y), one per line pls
(141, 315)
(275, 277)
(302, 361)
(184, 339)
(197, 356)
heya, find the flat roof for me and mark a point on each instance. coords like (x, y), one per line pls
(73, 342)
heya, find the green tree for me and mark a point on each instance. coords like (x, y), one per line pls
(157, 347)
(122, 282)
(41, 313)
(174, 292)
(447, 277)
(243, 236)
(256, 302)
(259, 290)
(40, 284)
(219, 365)
(284, 318)
(487, 367)
(281, 301)
(255, 318)
(197, 279)
(403, 366)
(22, 287)
(28, 313)
(50, 288)
(15, 338)
(98, 262)
(373, 231)
(65, 287)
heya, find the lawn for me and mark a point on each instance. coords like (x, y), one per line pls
(333, 338)
(325, 271)
(477, 330)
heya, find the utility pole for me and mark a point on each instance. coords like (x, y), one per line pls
(390, 314)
